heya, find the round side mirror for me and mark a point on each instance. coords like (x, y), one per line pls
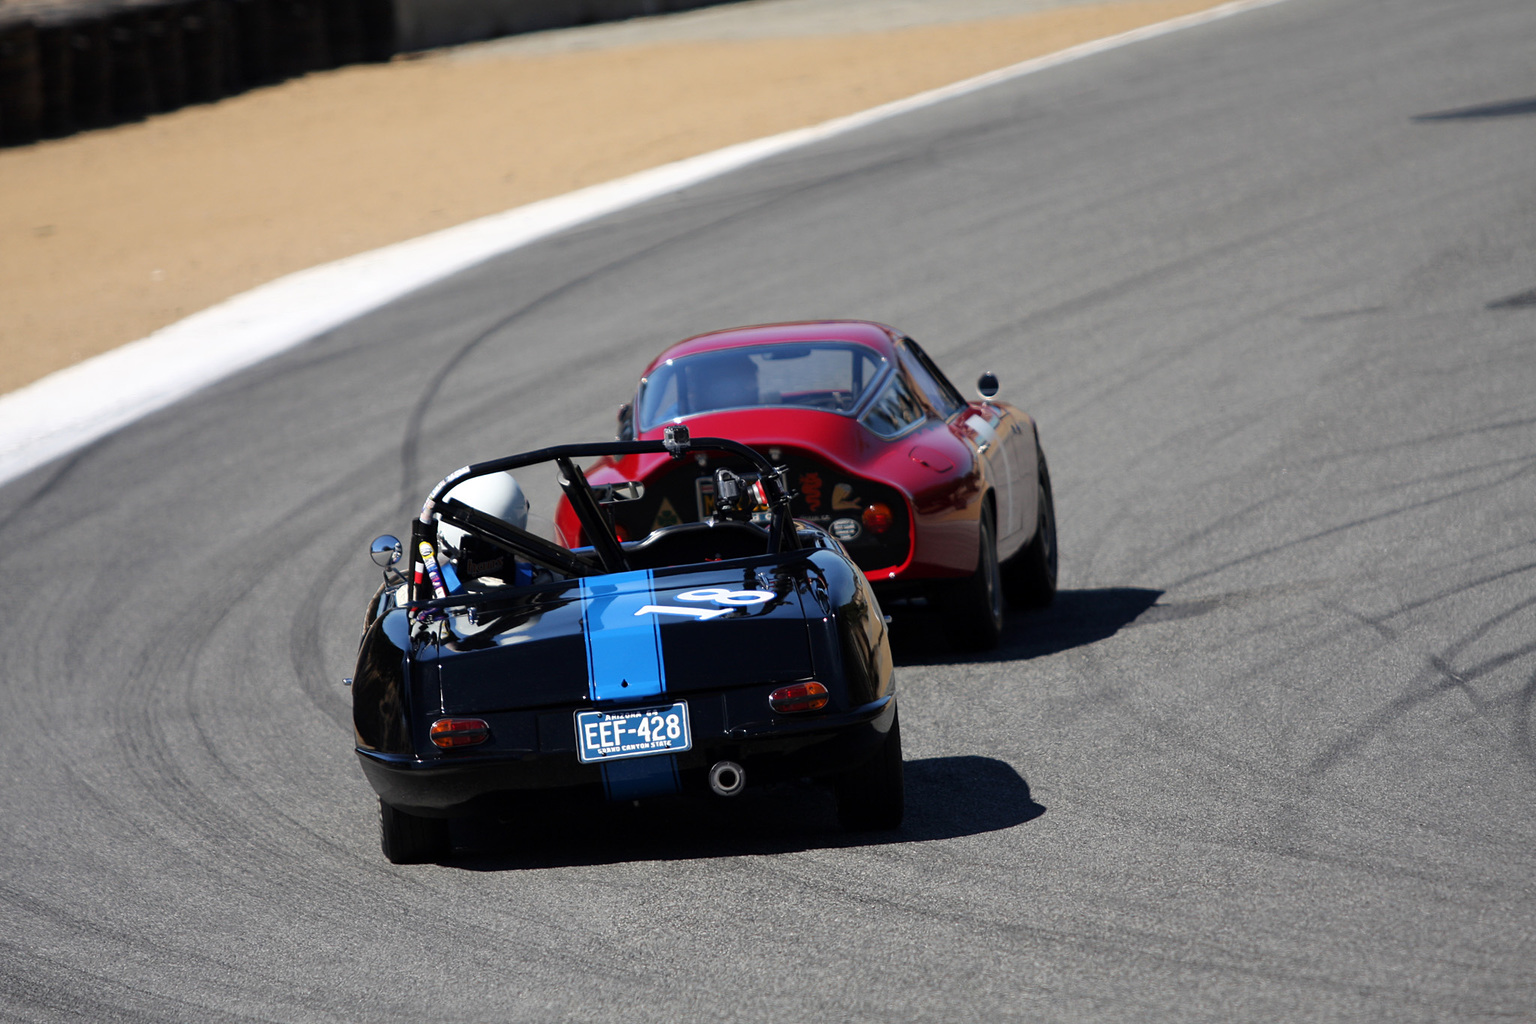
(987, 384)
(385, 551)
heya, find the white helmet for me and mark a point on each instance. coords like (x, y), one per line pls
(495, 494)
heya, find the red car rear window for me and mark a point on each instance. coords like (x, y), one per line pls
(829, 375)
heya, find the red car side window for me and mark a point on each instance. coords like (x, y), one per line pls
(896, 409)
(940, 392)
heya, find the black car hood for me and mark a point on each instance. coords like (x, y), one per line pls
(627, 637)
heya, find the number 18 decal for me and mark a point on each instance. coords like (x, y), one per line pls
(732, 599)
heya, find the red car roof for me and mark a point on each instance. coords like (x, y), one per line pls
(863, 332)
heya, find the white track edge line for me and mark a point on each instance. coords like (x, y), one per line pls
(80, 404)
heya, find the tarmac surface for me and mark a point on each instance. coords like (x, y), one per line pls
(108, 236)
(1268, 285)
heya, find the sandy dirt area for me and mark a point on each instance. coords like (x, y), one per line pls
(106, 236)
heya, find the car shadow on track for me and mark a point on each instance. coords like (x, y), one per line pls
(947, 797)
(1076, 618)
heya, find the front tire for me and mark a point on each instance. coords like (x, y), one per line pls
(1029, 577)
(872, 797)
(408, 839)
(974, 608)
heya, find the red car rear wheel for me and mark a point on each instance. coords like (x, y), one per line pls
(974, 608)
(1029, 578)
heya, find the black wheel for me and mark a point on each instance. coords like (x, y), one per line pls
(973, 608)
(407, 839)
(373, 607)
(1029, 577)
(872, 797)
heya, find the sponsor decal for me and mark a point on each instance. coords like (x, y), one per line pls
(665, 516)
(982, 432)
(844, 498)
(846, 529)
(705, 488)
(810, 490)
(430, 560)
(490, 567)
(731, 599)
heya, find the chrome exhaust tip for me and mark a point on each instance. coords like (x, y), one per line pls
(727, 778)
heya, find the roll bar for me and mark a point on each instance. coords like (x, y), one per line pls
(609, 552)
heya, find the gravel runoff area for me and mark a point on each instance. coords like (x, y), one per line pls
(107, 236)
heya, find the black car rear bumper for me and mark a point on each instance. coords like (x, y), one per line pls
(783, 748)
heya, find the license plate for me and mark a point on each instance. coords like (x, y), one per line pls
(636, 732)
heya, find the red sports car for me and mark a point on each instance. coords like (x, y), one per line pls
(931, 495)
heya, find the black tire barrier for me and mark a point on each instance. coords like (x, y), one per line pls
(90, 71)
(21, 83)
(56, 62)
(343, 20)
(206, 36)
(253, 43)
(376, 22)
(299, 37)
(162, 30)
(133, 84)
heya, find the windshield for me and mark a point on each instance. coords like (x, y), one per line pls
(829, 375)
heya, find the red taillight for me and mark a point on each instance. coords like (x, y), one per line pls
(811, 696)
(878, 518)
(460, 732)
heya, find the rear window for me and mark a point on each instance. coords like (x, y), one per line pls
(829, 375)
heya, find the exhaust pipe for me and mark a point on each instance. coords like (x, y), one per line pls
(727, 778)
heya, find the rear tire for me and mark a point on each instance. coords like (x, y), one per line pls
(1029, 577)
(372, 612)
(974, 608)
(872, 797)
(408, 839)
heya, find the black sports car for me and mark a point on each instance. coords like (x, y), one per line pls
(745, 648)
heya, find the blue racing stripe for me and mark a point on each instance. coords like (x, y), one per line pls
(640, 777)
(623, 649)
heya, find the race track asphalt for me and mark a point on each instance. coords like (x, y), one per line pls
(1269, 287)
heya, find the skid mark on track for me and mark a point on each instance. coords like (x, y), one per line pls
(55, 476)
(1524, 423)
(1525, 712)
(158, 721)
(1354, 524)
(96, 995)
(1440, 678)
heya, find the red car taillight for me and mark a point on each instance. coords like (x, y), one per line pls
(878, 518)
(811, 696)
(459, 732)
